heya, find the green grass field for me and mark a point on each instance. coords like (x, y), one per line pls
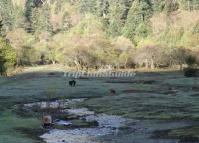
(150, 97)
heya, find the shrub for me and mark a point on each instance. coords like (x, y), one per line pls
(150, 56)
(190, 61)
(190, 72)
(7, 56)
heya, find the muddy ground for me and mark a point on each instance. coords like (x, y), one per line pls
(163, 106)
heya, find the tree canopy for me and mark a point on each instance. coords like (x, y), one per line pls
(89, 32)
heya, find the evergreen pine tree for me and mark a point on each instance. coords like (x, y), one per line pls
(28, 16)
(7, 14)
(138, 16)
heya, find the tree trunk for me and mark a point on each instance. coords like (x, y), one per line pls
(146, 64)
(77, 64)
(152, 64)
(181, 67)
(125, 64)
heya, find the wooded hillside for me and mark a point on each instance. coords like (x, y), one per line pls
(89, 33)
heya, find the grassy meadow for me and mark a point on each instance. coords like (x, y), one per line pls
(153, 98)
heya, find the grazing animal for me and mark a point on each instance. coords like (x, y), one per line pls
(47, 121)
(112, 92)
(72, 83)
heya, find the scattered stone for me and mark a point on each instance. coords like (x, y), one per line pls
(79, 112)
(82, 127)
(54, 104)
(86, 129)
(83, 135)
(108, 121)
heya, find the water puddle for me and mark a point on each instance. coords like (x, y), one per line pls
(107, 125)
(81, 125)
(83, 135)
(63, 123)
(85, 127)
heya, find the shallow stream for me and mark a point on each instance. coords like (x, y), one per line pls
(86, 126)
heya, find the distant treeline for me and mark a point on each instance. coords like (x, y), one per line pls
(92, 33)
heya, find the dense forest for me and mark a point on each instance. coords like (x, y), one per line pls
(92, 33)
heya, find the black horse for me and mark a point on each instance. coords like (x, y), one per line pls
(72, 83)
